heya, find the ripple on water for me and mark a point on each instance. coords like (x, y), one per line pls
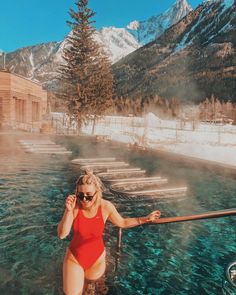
(184, 258)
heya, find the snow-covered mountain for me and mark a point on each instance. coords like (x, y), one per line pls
(41, 61)
(149, 30)
(118, 42)
(190, 61)
(28, 61)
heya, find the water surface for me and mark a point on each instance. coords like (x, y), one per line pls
(181, 258)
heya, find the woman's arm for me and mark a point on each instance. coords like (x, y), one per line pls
(64, 226)
(119, 221)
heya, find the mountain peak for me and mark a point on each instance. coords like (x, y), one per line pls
(148, 30)
(183, 3)
(134, 25)
(184, 61)
(117, 42)
(178, 10)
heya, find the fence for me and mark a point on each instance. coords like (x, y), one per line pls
(149, 130)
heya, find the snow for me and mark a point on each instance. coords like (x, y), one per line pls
(202, 141)
(226, 28)
(228, 3)
(218, 154)
(31, 59)
(182, 44)
(149, 30)
(225, 5)
(117, 42)
(133, 25)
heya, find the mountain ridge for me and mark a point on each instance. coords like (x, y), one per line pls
(190, 61)
(117, 42)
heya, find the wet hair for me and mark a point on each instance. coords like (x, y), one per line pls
(89, 178)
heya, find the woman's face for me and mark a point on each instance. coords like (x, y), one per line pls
(86, 195)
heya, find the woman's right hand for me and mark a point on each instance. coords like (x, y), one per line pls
(70, 202)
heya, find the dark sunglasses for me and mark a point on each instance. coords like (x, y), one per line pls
(81, 196)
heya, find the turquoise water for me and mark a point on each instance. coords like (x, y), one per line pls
(181, 258)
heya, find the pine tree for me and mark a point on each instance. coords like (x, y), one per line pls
(86, 77)
(103, 86)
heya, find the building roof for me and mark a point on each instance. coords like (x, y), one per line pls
(22, 77)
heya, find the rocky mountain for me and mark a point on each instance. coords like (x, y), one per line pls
(40, 62)
(149, 30)
(29, 61)
(190, 61)
(117, 42)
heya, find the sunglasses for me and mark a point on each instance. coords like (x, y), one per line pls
(81, 196)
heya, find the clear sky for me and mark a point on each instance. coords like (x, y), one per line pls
(30, 22)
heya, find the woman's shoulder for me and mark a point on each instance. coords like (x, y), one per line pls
(107, 205)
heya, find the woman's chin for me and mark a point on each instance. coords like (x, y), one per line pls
(86, 204)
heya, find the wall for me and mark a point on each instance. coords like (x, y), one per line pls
(22, 102)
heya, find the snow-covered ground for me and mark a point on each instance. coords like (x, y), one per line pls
(225, 155)
(204, 141)
(211, 142)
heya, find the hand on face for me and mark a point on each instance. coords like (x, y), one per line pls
(70, 202)
(154, 216)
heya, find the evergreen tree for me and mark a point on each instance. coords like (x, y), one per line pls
(86, 77)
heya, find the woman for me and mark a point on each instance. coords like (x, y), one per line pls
(87, 212)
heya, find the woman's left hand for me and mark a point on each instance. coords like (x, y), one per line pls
(154, 216)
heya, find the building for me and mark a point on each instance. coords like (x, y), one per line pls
(22, 102)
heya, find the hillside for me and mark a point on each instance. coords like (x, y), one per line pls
(190, 61)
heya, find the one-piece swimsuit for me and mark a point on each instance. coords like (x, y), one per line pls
(87, 243)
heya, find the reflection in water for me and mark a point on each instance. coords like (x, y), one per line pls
(184, 258)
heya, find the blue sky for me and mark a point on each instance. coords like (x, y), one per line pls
(30, 22)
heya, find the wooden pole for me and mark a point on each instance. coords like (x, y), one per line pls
(119, 238)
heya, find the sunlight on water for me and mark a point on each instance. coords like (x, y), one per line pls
(184, 258)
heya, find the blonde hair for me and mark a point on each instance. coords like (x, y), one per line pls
(89, 178)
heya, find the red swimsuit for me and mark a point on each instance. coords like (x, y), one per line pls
(87, 243)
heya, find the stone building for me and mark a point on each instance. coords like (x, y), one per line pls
(22, 102)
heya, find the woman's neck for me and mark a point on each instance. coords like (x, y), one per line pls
(89, 209)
